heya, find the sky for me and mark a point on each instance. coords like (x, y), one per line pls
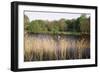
(50, 16)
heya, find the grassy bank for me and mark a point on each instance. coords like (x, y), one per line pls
(61, 33)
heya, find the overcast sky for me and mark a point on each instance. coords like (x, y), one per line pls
(51, 15)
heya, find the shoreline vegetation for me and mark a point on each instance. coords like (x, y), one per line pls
(60, 33)
(80, 25)
(62, 39)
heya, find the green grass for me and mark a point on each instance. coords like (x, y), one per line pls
(61, 33)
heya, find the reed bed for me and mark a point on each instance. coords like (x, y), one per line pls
(38, 47)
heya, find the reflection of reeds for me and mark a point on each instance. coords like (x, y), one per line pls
(46, 47)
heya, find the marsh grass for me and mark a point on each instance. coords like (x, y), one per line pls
(38, 47)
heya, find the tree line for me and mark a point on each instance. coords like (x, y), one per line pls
(80, 25)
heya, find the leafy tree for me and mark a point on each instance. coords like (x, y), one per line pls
(37, 26)
(77, 22)
(81, 24)
(54, 27)
(26, 22)
(70, 25)
(62, 24)
(34, 27)
(42, 25)
(84, 23)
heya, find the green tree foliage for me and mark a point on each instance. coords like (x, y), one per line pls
(73, 25)
(84, 23)
(62, 24)
(37, 26)
(26, 22)
(77, 23)
(54, 27)
(70, 25)
(81, 24)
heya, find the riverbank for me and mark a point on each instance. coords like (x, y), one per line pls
(60, 33)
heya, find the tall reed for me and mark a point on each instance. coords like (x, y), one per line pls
(48, 47)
